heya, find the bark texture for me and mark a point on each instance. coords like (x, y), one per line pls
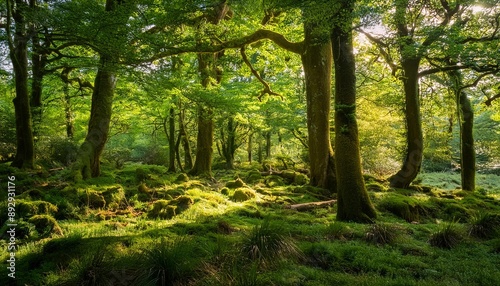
(317, 62)
(24, 157)
(353, 201)
(466, 123)
(414, 138)
(88, 160)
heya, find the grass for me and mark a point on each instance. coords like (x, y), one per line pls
(432, 237)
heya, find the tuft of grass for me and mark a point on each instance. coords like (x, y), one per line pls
(266, 243)
(169, 262)
(448, 236)
(484, 225)
(381, 233)
(338, 230)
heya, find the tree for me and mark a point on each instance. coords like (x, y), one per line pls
(209, 75)
(88, 161)
(18, 46)
(353, 201)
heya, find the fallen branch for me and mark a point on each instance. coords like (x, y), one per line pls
(310, 206)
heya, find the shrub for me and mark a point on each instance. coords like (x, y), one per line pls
(266, 242)
(448, 236)
(484, 225)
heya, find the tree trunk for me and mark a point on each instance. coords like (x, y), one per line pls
(171, 140)
(228, 142)
(88, 161)
(188, 159)
(353, 201)
(267, 135)
(317, 62)
(204, 143)
(466, 123)
(249, 147)
(39, 61)
(414, 138)
(70, 128)
(24, 157)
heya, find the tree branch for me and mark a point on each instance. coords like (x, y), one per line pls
(267, 88)
(380, 44)
(259, 35)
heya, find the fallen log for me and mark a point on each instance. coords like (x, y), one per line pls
(310, 206)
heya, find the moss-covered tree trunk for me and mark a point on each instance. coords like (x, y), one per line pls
(228, 141)
(317, 62)
(414, 138)
(188, 159)
(171, 140)
(250, 147)
(39, 61)
(353, 201)
(204, 142)
(18, 46)
(88, 160)
(466, 123)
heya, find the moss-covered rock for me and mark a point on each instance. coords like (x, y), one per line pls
(253, 176)
(243, 194)
(93, 199)
(29, 208)
(238, 183)
(168, 209)
(407, 208)
(225, 191)
(274, 181)
(45, 225)
(182, 178)
(375, 187)
(300, 179)
(114, 195)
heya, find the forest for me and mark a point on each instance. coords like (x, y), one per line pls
(258, 142)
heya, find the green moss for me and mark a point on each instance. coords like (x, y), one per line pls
(243, 194)
(93, 199)
(114, 195)
(238, 183)
(407, 208)
(29, 208)
(253, 177)
(45, 225)
(182, 178)
(274, 181)
(300, 179)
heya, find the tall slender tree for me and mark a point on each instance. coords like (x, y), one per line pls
(18, 46)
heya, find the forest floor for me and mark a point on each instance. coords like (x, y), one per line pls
(140, 225)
